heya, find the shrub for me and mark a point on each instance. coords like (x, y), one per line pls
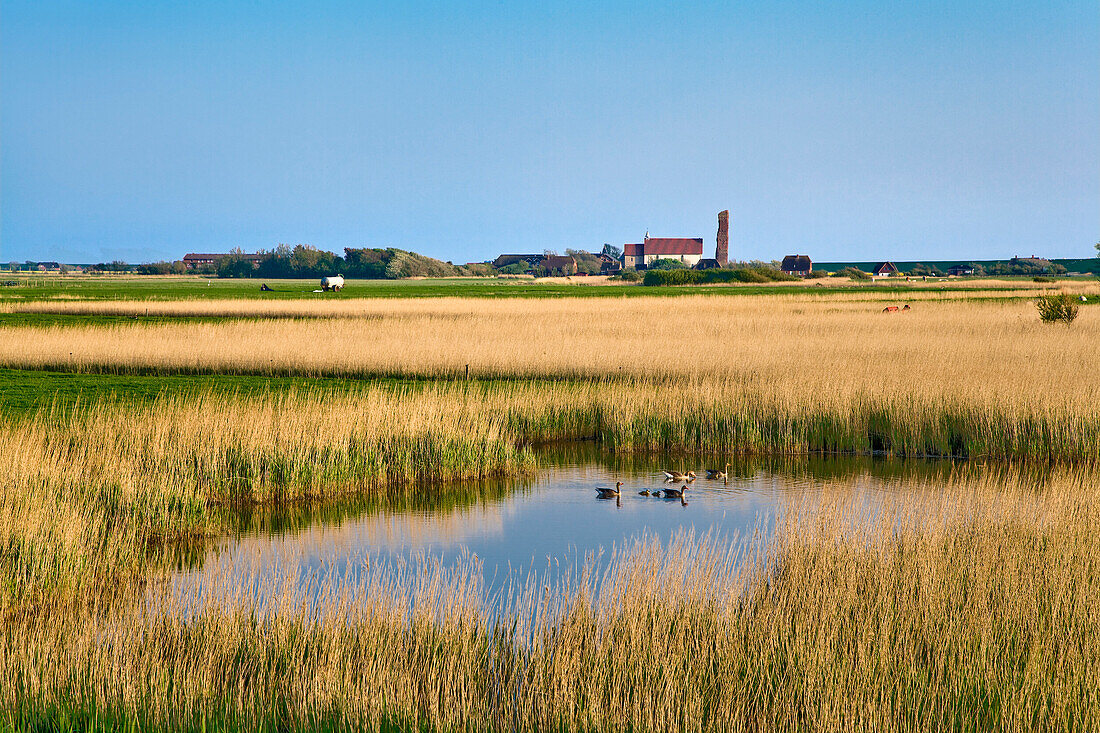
(1054, 308)
(816, 274)
(630, 276)
(853, 272)
(667, 265)
(671, 277)
(713, 276)
(1043, 279)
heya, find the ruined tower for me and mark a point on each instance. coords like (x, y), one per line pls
(722, 250)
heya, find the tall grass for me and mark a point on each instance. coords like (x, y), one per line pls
(88, 491)
(972, 609)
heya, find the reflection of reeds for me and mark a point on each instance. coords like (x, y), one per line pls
(973, 609)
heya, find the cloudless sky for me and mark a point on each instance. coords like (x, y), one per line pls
(861, 130)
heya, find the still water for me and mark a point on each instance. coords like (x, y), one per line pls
(551, 522)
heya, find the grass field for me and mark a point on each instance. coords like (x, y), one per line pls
(118, 287)
(132, 429)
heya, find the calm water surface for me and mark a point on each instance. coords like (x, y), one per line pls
(553, 520)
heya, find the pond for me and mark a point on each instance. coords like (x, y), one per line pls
(551, 523)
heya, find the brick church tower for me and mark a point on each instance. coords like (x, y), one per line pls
(722, 250)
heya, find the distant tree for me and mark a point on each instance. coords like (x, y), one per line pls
(516, 268)
(549, 253)
(922, 270)
(587, 262)
(617, 252)
(162, 268)
(234, 264)
(1098, 249)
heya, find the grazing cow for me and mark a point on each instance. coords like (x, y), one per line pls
(333, 282)
(905, 307)
(889, 309)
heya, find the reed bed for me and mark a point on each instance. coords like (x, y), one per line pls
(86, 491)
(800, 343)
(972, 609)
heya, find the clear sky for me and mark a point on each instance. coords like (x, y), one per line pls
(863, 130)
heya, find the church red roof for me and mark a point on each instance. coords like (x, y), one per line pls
(673, 246)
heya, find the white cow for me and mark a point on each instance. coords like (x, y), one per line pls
(333, 282)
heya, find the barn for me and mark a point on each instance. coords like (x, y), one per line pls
(797, 265)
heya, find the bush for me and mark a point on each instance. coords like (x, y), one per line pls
(668, 265)
(816, 274)
(671, 277)
(1043, 279)
(630, 275)
(1054, 308)
(713, 276)
(853, 272)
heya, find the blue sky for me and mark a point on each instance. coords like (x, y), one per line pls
(864, 130)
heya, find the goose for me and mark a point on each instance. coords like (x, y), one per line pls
(657, 494)
(677, 476)
(643, 492)
(718, 473)
(606, 493)
(675, 493)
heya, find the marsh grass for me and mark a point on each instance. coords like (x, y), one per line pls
(970, 609)
(92, 490)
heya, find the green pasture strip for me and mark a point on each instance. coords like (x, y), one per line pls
(22, 392)
(80, 320)
(193, 288)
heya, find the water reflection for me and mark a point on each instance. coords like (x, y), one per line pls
(553, 520)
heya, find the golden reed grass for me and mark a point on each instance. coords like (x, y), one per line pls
(86, 491)
(803, 343)
(971, 609)
(782, 373)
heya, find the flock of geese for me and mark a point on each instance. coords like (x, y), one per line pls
(673, 477)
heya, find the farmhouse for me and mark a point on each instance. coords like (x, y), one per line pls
(884, 269)
(641, 256)
(796, 265)
(609, 264)
(192, 260)
(960, 270)
(555, 264)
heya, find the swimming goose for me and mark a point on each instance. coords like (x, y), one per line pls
(675, 493)
(677, 476)
(715, 473)
(606, 493)
(643, 492)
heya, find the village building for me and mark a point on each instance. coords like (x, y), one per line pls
(960, 270)
(192, 260)
(884, 269)
(641, 256)
(556, 264)
(797, 265)
(609, 265)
